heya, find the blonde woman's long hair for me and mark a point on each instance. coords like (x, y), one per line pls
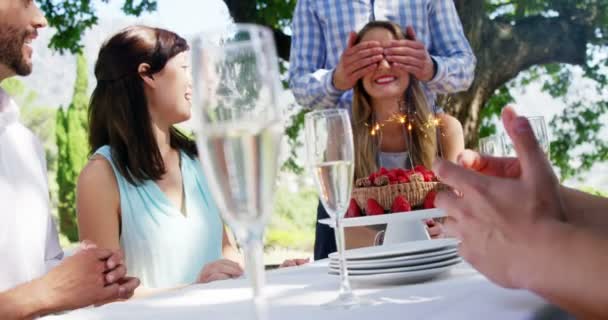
(423, 148)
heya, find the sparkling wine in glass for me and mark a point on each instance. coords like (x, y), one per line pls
(330, 153)
(236, 114)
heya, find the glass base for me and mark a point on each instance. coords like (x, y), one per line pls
(348, 300)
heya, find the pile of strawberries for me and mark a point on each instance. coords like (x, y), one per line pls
(384, 176)
(400, 204)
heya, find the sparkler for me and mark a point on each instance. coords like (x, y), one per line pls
(432, 122)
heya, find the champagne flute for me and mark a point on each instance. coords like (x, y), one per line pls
(236, 86)
(330, 153)
(492, 145)
(539, 127)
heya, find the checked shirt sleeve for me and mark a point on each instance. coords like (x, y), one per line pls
(309, 81)
(450, 49)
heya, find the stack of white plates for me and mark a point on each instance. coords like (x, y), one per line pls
(399, 263)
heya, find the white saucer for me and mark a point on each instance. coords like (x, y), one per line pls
(398, 261)
(439, 264)
(398, 278)
(398, 249)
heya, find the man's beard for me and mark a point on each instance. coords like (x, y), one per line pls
(11, 49)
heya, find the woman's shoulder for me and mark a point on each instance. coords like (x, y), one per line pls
(97, 171)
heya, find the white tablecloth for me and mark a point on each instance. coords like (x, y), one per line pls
(297, 293)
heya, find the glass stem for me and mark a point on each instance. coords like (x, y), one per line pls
(345, 290)
(254, 264)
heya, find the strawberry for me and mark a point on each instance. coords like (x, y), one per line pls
(408, 173)
(429, 200)
(392, 176)
(421, 169)
(401, 172)
(374, 208)
(372, 177)
(404, 179)
(400, 204)
(353, 210)
(428, 176)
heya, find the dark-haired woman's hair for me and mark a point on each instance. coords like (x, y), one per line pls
(424, 147)
(118, 113)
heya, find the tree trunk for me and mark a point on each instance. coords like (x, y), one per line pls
(503, 49)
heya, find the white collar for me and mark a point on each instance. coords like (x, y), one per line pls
(9, 111)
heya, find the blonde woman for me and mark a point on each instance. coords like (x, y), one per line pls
(393, 124)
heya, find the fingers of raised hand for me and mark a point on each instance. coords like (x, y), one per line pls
(488, 165)
(532, 159)
(452, 203)
(468, 182)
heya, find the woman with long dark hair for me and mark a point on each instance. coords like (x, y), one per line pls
(143, 189)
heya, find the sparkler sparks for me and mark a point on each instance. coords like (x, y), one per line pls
(432, 122)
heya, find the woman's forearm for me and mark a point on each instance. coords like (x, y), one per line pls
(567, 266)
(585, 210)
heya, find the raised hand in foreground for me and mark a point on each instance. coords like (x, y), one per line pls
(511, 216)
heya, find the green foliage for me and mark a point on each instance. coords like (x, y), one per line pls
(293, 220)
(275, 13)
(37, 118)
(294, 140)
(72, 18)
(73, 150)
(595, 192)
(490, 113)
(577, 142)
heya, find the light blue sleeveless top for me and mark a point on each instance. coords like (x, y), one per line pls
(391, 160)
(162, 247)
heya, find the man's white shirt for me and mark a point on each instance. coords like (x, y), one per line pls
(29, 245)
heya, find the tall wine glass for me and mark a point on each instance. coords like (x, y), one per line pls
(539, 127)
(492, 145)
(330, 152)
(236, 86)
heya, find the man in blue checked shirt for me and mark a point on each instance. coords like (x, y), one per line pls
(325, 65)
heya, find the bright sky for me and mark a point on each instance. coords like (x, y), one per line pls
(186, 17)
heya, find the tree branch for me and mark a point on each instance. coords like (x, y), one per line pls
(505, 49)
(244, 11)
(511, 48)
